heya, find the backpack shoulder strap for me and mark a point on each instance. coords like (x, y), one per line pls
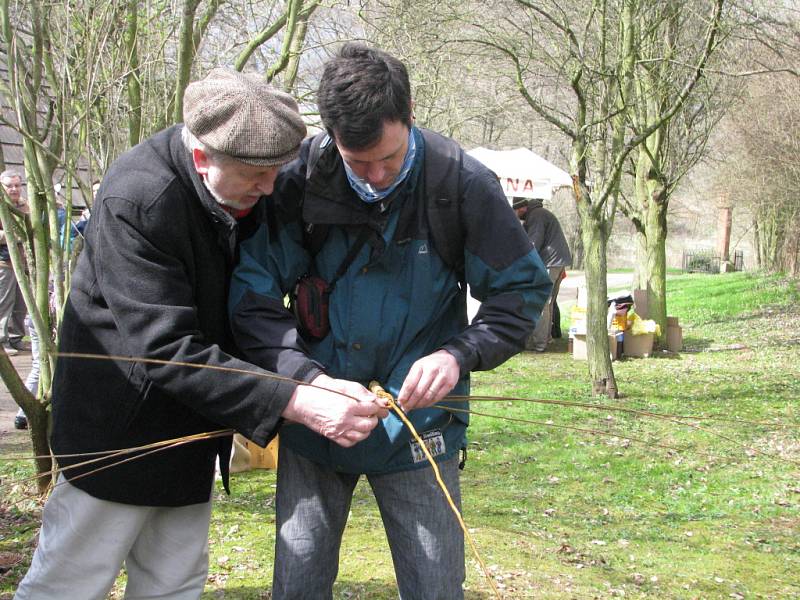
(443, 161)
(318, 143)
(314, 235)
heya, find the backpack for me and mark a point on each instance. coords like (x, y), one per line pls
(443, 160)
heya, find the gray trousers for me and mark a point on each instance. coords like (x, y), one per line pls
(313, 503)
(84, 542)
(12, 306)
(32, 381)
(542, 335)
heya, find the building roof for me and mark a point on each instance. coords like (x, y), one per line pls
(12, 152)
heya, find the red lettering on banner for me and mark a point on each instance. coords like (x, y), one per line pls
(513, 185)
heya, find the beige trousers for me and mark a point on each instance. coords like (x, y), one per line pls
(542, 335)
(84, 541)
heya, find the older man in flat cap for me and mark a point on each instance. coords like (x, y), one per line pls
(152, 284)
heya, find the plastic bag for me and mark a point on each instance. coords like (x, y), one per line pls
(639, 326)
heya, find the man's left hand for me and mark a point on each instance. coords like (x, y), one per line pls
(430, 379)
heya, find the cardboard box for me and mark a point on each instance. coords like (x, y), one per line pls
(579, 351)
(264, 458)
(240, 455)
(640, 303)
(583, 297)
(637, 345)
(245, 455)
(577, 321)
(674, 338)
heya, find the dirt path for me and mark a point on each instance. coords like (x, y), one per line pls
(8, 408)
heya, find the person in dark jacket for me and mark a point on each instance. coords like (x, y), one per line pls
(547, 237)
(152, 283)
(397, 315)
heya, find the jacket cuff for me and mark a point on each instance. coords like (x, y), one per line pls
(268, 423)
(465, 356)
(308, 372)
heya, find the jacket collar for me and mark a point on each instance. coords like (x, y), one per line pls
(222, 221)
(330, 200)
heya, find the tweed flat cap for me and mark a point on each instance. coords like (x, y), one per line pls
(244, 117)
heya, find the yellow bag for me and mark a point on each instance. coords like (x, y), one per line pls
(639, 326)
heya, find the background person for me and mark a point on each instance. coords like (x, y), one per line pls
(12, 305)
(546, 235)
(397, 315)
(13, 312)
(152, 282)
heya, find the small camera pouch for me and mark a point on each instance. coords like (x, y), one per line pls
(310, 299)
(309, 303)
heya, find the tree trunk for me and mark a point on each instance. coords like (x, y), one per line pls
(652, 201)
(186, 54)
(37, 416)
(41, 258)
(596, 267)
(292, 12)
(640, 273)
(132, 80)
(296, 50)
(657, 267)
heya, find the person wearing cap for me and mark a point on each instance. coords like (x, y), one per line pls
(520, 205)
(546, 235)
(152, 284)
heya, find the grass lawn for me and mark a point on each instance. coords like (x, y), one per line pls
(706, 507)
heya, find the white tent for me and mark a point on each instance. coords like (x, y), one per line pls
(523, 173)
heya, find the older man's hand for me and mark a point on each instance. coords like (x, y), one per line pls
(343, 411)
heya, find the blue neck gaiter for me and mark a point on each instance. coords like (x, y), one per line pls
(367, 192)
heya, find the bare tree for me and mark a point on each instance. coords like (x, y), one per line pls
(762, 175)
(461, 91)
(575, 66)
(671, 36)
(761, 133)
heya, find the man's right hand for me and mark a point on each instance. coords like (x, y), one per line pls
(341, 419)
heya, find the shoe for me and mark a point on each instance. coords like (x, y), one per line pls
(20, 422)
(20, 345)
(10, 350)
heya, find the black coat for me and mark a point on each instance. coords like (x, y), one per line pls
(546, 235)
(152, 282)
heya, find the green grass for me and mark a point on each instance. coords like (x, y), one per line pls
(560, 513)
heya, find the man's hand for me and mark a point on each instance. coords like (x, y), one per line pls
(343, 420)
(430, 379)
(353, 390)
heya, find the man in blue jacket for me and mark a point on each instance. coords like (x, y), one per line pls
(356, 211)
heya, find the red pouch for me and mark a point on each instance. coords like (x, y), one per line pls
(309, 303)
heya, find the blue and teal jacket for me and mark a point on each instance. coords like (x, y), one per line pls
(397, 302)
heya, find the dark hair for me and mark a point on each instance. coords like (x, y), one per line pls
(362, 87)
